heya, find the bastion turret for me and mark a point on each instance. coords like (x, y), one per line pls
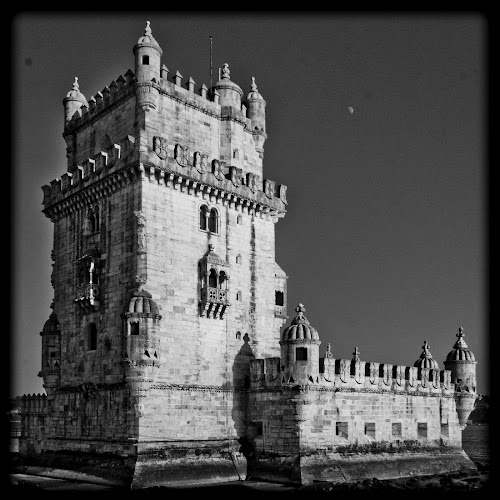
(300, 350)
(462, 364)
(73, 101)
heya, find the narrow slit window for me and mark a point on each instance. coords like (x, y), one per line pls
(279, 299)
(92, 341)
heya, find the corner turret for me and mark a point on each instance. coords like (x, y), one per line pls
(256, 111)
(426, 360)
(462, 364)
(300, 350)
(73, 101)
(147, 54)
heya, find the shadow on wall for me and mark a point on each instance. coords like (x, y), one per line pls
(241, 382)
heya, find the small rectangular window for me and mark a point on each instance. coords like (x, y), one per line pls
(259, 431)
(422, 429)
(145, 59)
(445, 430)
(370, 429)
(279, 298)
(341, 429)
(134, 328)
(301, 354)
(396, 430)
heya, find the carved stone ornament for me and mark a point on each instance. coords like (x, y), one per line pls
(252, 182)
(200, 162)
(273, 369)
(412, 376)
(160, 147)
(329, 372)
(344, 370)
(400, 375)
(269, 188)
(181, 155)
(218, 169)
(282, 194)
(88, 389)
(236, 176)
(373, 372)
(387, 375)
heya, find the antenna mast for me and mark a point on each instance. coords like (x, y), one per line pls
(210, 64)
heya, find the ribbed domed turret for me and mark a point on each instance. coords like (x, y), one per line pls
(142, 303)
(230, 93)
(51, 325)
(426, 360)
(300, 329)
(254, 93)
(256, 107)
(460, 350)
(73, 101)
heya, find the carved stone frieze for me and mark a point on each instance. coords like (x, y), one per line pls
(160, 147)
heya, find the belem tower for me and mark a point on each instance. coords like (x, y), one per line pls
(162, 359)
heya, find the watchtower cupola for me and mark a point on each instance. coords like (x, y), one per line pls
(73, 101)
(426, 360)
(300, 350)
(256, 111)
(230, 93)
(147, 53)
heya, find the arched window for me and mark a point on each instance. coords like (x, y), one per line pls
(203, 217)
(238, 335)
(238, 295)
(238, 259)
(92, 337)
(239, 219)
(212, 279)
(222, 279)
(213, 221)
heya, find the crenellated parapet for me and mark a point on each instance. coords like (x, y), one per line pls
(102, 102)
(346, 374)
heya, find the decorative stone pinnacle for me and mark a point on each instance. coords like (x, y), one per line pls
(426, 353)
(356, 354)
(225, 71)
(75, 84)
(147, 30)
(328, 351)
(300, 318)
(253, 86)
(460, 343)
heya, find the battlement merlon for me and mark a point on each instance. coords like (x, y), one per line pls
(352, 375)
(227, 185)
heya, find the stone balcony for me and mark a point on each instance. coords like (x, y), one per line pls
(87, 296)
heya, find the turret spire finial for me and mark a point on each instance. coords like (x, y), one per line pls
(253, 86)
(460, 343)
(75, 84)
(147, 30)
(328, 353)
(225, 70)
(426, 352)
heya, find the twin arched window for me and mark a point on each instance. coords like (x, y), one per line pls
(216, 281)
(209, 219)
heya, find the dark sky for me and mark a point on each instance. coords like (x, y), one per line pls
(384, 241)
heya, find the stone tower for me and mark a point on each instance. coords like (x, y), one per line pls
(165, 280)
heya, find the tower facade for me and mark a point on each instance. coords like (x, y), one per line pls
(165, 279)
